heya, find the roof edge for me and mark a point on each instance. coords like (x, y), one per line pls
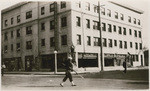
(128, 7)
(14, 6)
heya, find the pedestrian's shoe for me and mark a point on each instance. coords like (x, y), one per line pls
(74, 85)
(61, 84)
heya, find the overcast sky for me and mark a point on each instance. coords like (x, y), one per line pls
(139, 4)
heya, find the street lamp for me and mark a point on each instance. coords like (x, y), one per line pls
(55, 52)
(101, 44)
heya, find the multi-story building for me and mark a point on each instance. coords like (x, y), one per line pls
(32, 31)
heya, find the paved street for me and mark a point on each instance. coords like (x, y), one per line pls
(42, 82)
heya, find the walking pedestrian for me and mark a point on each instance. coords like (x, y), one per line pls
(2, 68)
(69, 67)
(127, 59)
(125, 67)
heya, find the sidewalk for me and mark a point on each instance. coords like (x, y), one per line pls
(62, 73)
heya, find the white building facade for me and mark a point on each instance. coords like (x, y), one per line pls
(32, 31)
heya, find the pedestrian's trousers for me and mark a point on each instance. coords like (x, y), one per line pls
(68, 75)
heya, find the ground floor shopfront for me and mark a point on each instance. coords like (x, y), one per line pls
(83, 61)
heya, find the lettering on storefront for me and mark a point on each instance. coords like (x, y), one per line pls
(87, 56)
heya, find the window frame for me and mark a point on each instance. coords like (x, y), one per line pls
(64, 21)
(28, 45)
(52, 41)
(43, 42)
(109, 12)
(63, 39)
(52, 24)
(29, 14)
(63, 4)
(52, 7)
(28, 30)
(18, 33)
(42, 10)
(18, 47)
(88, 40)
(12, 21)
(110, 43)
(78, 39)
(78, 22)
(18, 19)
(87, 23)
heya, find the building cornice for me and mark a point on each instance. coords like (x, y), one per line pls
(128, 7)
(14, 6)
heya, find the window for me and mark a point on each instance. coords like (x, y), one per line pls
(12, 34)
(18, 47)
(78, 21)
(63, 4)
(78, 39)
(28, 30)
(52, 42)
(139, 23)
(52, 7)
(120, 31)
(28, 14)
(95, 26)
(5, 49)
(136, 45)
(64, 40)
(96, 41)
(87, 7)
(120, 44)
(43, 26)
(140, 46)
(78, 4)
(42, 42)
(109, 28)
(130, 44)
(104, 42)
(52, 25)
(12, 48)
(115, 42)
(135, 33)
(103, 26)
(6, 23)
(18, 18)
(134, 21)
(87, 23)
(18, 32)
(95, 8)
(125, 44)
(130, 31)
(6, 36)
(121, 17)
(64, 22)
(139, 34)
(42, 10)
(110, 43)
(116, 15)
(88, 40)
(29, 45)
(137, 59)
(12, 21)
(109, 12)
(124, 32)
(102, 11)
(129, 19)
(114, 26)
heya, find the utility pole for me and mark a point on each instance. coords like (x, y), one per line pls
(101, 44)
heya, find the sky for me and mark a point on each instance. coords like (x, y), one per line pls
(143, 5)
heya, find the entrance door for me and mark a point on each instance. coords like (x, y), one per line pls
(141, 60)
(28, 63)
